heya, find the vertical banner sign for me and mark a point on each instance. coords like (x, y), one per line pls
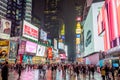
(49, 52)
(22, 47)
(13, 50)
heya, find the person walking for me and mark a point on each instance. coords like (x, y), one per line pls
(118, 73)
(103, 73)
(93, 70)
(19, 70)
(5, 71)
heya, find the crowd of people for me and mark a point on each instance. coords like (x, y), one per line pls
(73, 69)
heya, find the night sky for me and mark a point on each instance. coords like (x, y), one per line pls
(69, 15)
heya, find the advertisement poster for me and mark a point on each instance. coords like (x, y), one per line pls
(22, 47)
(30, 31)
(40, 50)
(43, 35)
(62, 56)
(5, 26)
(13, 50)
(31, 47)
(50, 53)
(5, 29)
(4, 50)
(55, 44)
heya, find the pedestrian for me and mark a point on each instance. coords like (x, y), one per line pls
(4, 72)
(107, 72)
(103, 73)
(84, 72)
(19, 70)
(44, 70)
(118, 73)
(111, 73)
(93, 70)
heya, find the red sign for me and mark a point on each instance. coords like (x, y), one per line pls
(30, 31)
(49, 53)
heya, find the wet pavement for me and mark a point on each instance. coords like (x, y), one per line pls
(55, 75)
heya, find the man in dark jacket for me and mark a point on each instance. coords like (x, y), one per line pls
(4, 72)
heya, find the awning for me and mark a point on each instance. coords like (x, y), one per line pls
(114, 50)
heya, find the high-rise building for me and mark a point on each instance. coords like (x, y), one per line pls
(28, 10)
(3, 8)
(17, 11)
(87, 7)
(52, 23)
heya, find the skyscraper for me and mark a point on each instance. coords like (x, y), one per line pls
(51, 20)
(28, 10)
(17, 11)
(3, 8)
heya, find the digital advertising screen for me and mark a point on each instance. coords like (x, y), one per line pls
(30, 47)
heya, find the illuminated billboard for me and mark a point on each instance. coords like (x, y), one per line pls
(43, 35)
(30, 31)
(40, 50)
(91, 37)
(55, 44)
(30, 47)
(4, 49)
(50, 53)
(13, 50)
(5, 28)
(110, 21)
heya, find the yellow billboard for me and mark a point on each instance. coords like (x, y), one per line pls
(77, 40)
(4, 43)
(4, 48)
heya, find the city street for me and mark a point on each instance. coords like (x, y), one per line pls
(35, 75)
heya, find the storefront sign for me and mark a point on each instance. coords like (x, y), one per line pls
(30, 31)
(31, 47)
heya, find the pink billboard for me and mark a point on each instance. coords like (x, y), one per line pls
(31, 47)
(110, 21)
(62, 56)
(22, 47)
(118, 15)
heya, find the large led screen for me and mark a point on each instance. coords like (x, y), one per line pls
(91, 37)
(31, 47)
(111, 22)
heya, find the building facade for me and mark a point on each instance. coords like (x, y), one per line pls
(17, 11)
(3, 8)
